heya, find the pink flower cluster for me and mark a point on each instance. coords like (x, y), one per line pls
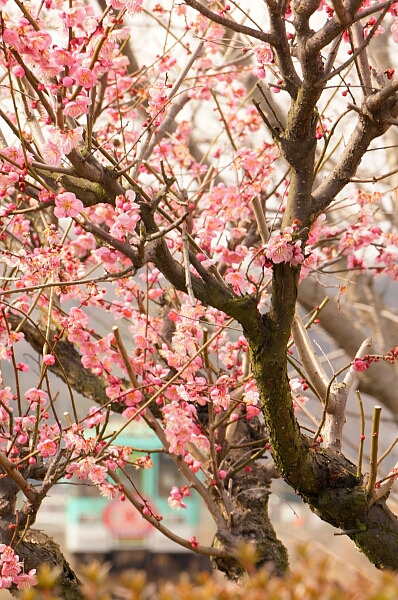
(181, 427)
(264, 55)
(67, 205)
(176, 496)
(88, 468)
(11, 568)
(282, 248)
(157, 102)
(360, 364)
(127, 215)
(60, 143)
(133, 6)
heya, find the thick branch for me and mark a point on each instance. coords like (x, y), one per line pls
(333, 28)
(365, 132)
(37, 549)
(230, 24)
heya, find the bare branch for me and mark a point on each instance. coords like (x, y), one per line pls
(260, 218)
(374, 102)
(342, 13)
(362, 59)
(309, 359)
(230, 24)
(334, 417)
(370, 488)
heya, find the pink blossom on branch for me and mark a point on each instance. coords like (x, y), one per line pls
(282, 248)
(85, 77)
(175, 498)
(11, 568)
(67, 205)
(360, 365)
(133, 6)
(47, 448)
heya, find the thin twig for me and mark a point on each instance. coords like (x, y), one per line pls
(185, 254)
(362, 435)
(125, 356)
(370, 488)
(164, 530)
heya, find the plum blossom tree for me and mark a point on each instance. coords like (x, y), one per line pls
(142, 182)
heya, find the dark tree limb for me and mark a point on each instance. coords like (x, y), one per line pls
(230, 24)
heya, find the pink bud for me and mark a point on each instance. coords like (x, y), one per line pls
(18, 71)
(68, 81)
(48, 359)
(222, 474)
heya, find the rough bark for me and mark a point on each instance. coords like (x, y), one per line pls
(37, 549)
(248, 493)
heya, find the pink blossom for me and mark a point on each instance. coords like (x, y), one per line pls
(18, 71)
(67, 82)
(67, 205)
(5, 582)
(98, 474)
(264, 53)
(125, 223)
(85, 77)
(25, 580)
(192, 463)
(360, 365)
(77, 107)
(6, 395)
(175, 498)
(108, 490)
(237, 280)
(47, 448)
(51, 154)
(259, 72)
(158, 101)
(74, 16)
(394, 30)
(279, 250)
(252, 411)
(134, 6)
(297, 257)
(65, 140)
(62, 57)
(10, 37)
(95, 417)
(49, 359)
(36, 396)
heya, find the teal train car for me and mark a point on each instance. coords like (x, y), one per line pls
(98, 528)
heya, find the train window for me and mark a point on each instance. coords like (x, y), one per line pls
(169, 475)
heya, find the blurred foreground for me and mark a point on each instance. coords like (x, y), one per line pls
(314, 577)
